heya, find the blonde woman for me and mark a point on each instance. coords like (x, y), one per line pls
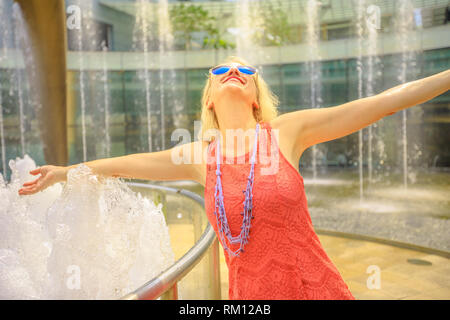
(260, 217)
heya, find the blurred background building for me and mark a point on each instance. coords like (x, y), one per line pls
(135, 71)
(111, 47)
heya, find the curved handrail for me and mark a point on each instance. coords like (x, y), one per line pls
(166, 279)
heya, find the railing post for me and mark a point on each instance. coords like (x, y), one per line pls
(197, 222)
(214, 271)
(171, 294)
(206, 243)
(160, 197)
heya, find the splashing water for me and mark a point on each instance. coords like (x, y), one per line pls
(84, 239)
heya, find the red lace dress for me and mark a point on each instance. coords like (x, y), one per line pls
(283, 258)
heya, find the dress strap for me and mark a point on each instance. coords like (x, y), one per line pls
(210, 153)
(210, 147)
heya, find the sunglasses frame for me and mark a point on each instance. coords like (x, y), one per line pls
(237, 67)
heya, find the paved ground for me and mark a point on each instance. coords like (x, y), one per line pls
(404, 273)
(401, 277)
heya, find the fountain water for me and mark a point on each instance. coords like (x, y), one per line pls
(19, 38)
(245, 46)
(85, 26)
(313, 65)
(3, 56)
(106, 99)
(57, 244)
(367, 37)
(141, 39)
(376, 143)
(371, 61)
(92, 88)
(152, 34)
(166, 47)
(406, 36)
(17, 62)
(359, 68)
(250, 22)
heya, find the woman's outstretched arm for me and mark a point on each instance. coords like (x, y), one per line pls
(313, 126)
(173, 164)
(159, 166)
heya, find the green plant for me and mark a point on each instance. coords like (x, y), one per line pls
(214, 40)
(275, 29)
(187, 19)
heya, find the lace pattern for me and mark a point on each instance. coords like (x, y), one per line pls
(284, 258)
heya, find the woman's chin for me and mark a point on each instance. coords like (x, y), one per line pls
(233, 87)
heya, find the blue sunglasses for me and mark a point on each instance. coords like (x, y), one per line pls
(224, 69)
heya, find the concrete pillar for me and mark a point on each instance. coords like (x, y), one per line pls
(46, 22)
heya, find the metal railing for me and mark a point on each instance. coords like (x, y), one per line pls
(165, 284)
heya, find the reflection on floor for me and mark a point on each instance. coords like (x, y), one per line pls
(404, 273)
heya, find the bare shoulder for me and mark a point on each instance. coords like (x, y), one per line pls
(289, 120)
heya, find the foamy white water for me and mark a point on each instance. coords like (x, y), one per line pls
(83, 239)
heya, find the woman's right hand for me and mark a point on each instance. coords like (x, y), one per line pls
(49, 176)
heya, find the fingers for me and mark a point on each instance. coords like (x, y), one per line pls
(35, 171)
(27, 191)
(31, 182)
(46, 179)
(32, 187)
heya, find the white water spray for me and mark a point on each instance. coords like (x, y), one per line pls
(85, 239)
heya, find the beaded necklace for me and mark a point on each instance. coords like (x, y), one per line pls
(219, 212)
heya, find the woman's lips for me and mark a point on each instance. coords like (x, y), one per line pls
(233, 77)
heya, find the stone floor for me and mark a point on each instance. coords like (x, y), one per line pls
(403, 273)
(401, 278)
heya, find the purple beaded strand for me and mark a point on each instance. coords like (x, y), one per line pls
(219, 212)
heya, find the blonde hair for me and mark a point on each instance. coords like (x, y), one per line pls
(266, 100)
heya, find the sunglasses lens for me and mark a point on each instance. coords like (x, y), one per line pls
(220, 70)
(224, 69)
(247, 70)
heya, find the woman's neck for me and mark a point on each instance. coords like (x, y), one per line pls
(235, 115)
(236, 125)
